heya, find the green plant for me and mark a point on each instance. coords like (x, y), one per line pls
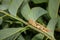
(29, 19)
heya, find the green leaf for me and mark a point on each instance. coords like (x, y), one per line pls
(33, 13)
(9, 32)
(51, 26)
(6, 1)
(14, 6)
(25, 10)
(36, 12)
(0, 0)
(38, 37)
(59, 1)
(3, 7)
(39, 1)
(16, 35)
(5, 4)
(53, 6)
(11, 37)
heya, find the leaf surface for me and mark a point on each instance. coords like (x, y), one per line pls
(53, 6)
(4, 33)
(14, 6)
(38, 37)
(51, 26)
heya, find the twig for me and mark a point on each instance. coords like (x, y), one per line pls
(19, 19)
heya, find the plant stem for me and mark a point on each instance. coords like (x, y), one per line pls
(19, 19)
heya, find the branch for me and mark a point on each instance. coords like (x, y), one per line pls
(20, 20)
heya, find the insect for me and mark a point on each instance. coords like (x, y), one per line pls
(38, 26)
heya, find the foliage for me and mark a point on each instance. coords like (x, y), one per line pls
(29, 19)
